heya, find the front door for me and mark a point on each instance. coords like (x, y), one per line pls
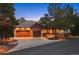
(37, 33)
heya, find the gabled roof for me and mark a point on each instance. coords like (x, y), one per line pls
(27, 24)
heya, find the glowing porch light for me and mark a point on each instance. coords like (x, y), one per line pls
(17, 28)
(28, 29)
(22, 28)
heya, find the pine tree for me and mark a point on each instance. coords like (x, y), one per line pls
(7, 14)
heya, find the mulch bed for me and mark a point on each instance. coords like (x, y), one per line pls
(4, 48)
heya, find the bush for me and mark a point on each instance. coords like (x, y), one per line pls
(75, 30)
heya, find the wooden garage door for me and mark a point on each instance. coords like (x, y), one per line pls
(23, 34)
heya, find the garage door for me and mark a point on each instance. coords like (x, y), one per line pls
(23, 34)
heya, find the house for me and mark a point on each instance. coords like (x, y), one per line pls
(32, 29)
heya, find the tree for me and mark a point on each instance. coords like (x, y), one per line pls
(56, 11)
(75, 27)
(69, 19)
(63, 15)
(7, 14)
(45, 21)
(21, 20)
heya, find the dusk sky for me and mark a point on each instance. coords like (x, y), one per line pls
(33, 11)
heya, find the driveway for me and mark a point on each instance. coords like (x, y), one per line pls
(67, 47)
(24, 44)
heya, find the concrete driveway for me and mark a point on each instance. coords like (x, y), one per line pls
(67, 47)
(24, 44)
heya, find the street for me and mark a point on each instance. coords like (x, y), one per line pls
(67, 47)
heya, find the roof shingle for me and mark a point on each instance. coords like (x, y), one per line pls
(27, 24)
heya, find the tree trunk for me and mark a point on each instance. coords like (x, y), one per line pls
(55, 33)
(1, 34)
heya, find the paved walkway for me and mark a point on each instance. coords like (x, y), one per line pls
(23, 44)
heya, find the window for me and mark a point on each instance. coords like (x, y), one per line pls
(45, 31)
(50, 31)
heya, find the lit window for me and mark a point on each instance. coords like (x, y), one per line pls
(62, 31)
(27, 28)
(58, 30)
(17, 28)
(50, 31)
(45, 31)
(22, 28)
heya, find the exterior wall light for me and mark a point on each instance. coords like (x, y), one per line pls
(17, 28)
(22, 28)
(28, 29)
